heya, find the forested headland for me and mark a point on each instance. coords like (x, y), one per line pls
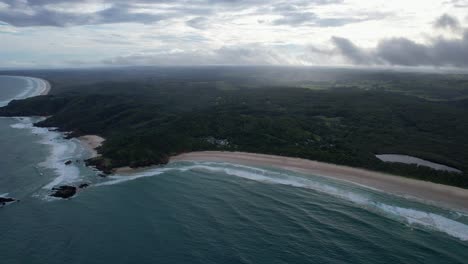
(345, 118)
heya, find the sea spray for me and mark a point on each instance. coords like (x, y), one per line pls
(428, 220)
(61, 150)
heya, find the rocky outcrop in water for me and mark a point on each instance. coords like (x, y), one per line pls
(64, 191)
(106, 167)
(6, 200)
(67, 191)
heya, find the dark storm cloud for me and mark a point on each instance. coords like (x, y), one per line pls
(405, 52)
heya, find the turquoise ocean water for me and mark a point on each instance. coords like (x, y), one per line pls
(201, 212)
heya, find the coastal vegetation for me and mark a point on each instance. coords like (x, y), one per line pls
(150, 116)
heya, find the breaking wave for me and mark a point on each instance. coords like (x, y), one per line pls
(360, 196)
(61, 150)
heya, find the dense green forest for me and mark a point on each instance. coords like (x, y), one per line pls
(343, 117)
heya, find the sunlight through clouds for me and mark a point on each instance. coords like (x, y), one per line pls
(277, 32)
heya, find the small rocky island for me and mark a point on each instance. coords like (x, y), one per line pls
(6, 200)
(67, 191)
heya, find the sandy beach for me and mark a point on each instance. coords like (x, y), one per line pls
(437, 194)
(127, 170)
(46, 88)
(92, 142)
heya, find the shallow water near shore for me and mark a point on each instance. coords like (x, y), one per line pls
(205, 212)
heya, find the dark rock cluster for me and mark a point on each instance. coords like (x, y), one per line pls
(63, 191)
(67, 191)
(5, 200)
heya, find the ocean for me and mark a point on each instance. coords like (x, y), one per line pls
(200, 212)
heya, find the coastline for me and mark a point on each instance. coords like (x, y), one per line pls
(35, 87)
(92, 142)
(47, 87)
(427, 192)
(62, 150)
(443, 195)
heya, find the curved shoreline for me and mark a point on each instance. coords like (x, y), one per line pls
(428, 192)
(41, 87)
(61, 150)
(92, 142)
(48, 87)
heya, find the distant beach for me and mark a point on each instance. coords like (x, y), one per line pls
(61, 150)
(92, 142)
(442, 195)
(46, 86)
(34, 87)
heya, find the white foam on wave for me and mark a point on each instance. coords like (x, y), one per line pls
(271, 177)
(413, 217)
(410, 216)
(116, 179)
(61, 150)
(429, 220)
(461, 214)
(4, 195)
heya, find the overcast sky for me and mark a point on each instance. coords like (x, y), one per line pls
(383, 33)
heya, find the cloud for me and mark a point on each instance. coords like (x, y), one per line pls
(438, 52)
(5, 28)
(38, 15)
(296, 18)
(292, 16)
(228, 55)
(351, 51)
(61, 13)
(198, 23)
(402, 51)
(457, 3)
(447, 22)
(187, 32)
